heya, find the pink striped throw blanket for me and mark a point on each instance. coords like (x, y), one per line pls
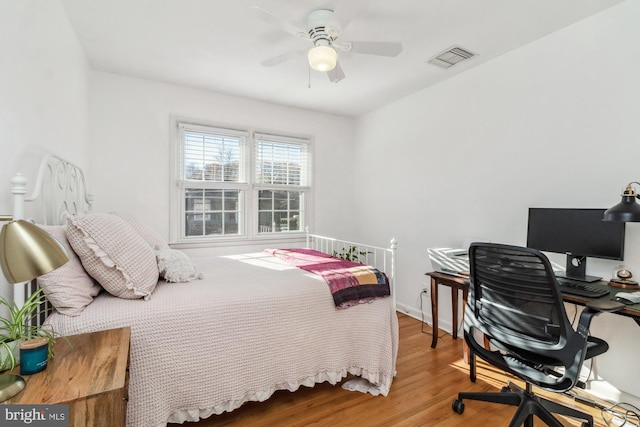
(350, 283)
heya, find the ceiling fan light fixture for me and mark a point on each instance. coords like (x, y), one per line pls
(323, 58)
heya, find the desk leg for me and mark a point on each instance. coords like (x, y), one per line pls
(434, 312)
(465, 346)
(465, 296)
(454, 310)
(468, 354)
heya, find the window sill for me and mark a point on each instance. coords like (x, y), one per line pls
(243, 241)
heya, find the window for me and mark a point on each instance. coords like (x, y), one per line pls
(236, 186)
(282, 181)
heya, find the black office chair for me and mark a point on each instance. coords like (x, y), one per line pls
(514, 302)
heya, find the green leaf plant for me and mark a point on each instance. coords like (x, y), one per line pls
(350, 253)
(19, 326)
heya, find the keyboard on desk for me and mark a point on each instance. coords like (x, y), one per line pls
(582, 289)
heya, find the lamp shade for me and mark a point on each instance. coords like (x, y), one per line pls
(323, 58)
(628, 210)
(27, 252)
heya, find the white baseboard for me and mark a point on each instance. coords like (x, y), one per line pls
(414, 312)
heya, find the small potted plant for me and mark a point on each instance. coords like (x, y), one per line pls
(17, 327)
(350, 253)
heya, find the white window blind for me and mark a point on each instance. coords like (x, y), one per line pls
(212, 154)
(281, 160)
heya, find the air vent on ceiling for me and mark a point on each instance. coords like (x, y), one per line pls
(450, 57)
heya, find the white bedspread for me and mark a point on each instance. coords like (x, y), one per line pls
(254, 325)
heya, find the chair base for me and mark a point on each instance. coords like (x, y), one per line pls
(528, 405)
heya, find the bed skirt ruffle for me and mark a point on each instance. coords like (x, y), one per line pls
(364, 382)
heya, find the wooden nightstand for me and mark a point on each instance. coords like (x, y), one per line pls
(91, 377)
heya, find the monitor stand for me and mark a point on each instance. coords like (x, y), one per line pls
(576, 269)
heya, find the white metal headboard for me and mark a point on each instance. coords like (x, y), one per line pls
(60, 188)
(384, 259)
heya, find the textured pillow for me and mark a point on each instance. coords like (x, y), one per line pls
(69, 288)
(114, 254)
(151, 236)
(176, 266)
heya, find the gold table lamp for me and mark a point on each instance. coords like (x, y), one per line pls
(26, 252)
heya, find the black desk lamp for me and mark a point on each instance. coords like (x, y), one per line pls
(628, 210)
(26, 252)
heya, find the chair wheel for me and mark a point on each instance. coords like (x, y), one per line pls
(458, 406)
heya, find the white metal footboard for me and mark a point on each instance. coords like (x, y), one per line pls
(381, 258)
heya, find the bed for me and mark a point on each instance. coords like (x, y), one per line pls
(243, 327)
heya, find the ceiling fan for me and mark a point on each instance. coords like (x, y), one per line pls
(323, 31)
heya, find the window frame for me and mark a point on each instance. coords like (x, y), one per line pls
(249, 231)
(304, 188)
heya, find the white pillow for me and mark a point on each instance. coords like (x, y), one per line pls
(68, 288)
(151, 236)
(176, 266)
(114, 254)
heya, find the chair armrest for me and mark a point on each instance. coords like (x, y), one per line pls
(605, 305)
(593, 308)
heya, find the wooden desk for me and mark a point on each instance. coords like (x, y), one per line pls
(91, 377)
(456, 284)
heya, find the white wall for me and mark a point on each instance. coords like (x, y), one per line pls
(131, 138)
(552, 124)
(44, 103)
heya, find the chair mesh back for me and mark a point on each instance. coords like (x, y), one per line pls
(515, 294)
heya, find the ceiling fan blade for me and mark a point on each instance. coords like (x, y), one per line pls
(344, 13)
(276, 60)
(285, 26)
(373, 48)
(336, 74)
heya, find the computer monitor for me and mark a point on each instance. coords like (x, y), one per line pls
(578, 233)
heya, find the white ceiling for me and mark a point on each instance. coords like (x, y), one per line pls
(218, 45)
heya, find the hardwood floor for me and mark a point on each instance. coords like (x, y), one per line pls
(427, 382)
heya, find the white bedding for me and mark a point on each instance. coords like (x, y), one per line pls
(252, 326)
